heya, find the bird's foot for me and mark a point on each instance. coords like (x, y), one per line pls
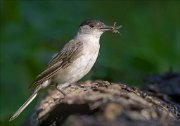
(61, 87)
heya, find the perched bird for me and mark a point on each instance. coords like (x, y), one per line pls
(73, 62)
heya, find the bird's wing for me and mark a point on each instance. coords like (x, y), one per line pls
(62, 60)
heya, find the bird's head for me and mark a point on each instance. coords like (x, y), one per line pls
(96, 27)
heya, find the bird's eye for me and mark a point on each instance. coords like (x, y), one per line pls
(91, 25)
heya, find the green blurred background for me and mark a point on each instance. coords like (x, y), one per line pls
(32, 31)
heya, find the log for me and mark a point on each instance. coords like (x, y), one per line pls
(102, 103)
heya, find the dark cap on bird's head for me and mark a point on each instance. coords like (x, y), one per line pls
(95, 23)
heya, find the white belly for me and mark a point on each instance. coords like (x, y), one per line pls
(79, 68)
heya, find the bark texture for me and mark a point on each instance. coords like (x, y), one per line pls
(101, 103)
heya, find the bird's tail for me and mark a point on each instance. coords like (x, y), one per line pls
(31, 98)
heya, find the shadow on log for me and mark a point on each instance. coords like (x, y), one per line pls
(101, 103)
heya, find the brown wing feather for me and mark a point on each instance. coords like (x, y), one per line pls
(63, 59)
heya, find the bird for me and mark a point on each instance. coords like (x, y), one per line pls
(72, 62)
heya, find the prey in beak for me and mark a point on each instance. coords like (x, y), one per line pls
(114, 28)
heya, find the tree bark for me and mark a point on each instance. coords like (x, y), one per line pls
(101, 103)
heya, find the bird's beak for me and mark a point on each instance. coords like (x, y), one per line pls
(106, 28)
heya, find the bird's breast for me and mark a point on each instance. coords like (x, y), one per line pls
(81, 66)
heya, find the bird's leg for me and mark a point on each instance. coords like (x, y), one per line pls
(60, 87)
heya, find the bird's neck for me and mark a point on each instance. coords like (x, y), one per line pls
(88, 38)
